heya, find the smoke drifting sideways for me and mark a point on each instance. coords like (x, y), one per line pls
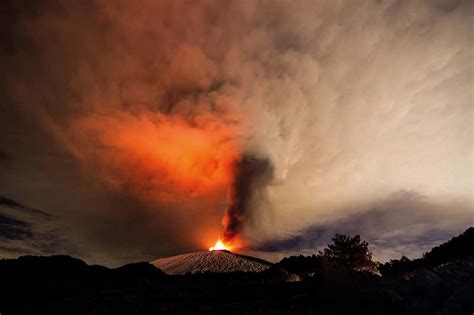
(252, 175)
(132, 119)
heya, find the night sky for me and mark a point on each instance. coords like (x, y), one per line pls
(132, 130)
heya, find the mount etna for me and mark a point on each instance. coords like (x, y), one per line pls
(214, 261)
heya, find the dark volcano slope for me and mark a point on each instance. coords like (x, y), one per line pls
(458, 248)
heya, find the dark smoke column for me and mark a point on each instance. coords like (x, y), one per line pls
(252, 174)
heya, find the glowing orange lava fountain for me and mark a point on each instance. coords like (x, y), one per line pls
(220, 246)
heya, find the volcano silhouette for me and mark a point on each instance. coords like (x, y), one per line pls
(216, 261)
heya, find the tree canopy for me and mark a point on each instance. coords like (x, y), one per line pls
(349, 253)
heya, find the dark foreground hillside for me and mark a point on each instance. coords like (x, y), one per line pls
(64, 285)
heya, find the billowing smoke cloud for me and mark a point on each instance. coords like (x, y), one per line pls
(251, 178)
(128, 118)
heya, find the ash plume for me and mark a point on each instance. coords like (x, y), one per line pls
(251, 175)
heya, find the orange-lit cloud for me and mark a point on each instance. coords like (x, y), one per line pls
(158, 156)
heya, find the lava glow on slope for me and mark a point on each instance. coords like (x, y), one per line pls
(220, 246)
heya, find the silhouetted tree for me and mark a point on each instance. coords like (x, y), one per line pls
(349, 253)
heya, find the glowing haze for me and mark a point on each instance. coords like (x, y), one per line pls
(142, 124)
